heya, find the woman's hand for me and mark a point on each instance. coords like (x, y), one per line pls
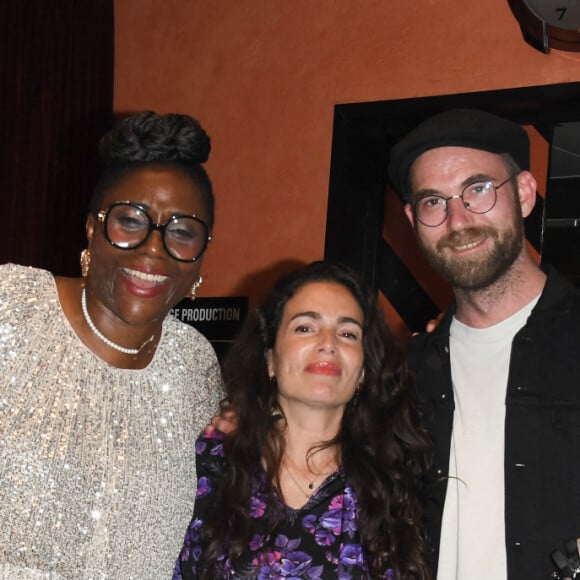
(226, 421)
(432, 324)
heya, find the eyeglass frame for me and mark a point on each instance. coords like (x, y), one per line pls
(460, 196)
(161, 228)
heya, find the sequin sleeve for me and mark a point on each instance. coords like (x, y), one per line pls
(97, 463)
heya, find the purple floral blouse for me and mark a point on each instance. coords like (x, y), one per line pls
(319, 540)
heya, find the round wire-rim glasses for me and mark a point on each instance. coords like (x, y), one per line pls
(478, 197)
(127, 225)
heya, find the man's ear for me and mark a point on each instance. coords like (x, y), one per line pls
(409, 213)
(527, 188)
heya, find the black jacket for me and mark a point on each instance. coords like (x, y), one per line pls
(542, 429)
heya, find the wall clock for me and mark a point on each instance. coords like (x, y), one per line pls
(549, 24)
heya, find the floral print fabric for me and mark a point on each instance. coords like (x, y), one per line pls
(319, 540)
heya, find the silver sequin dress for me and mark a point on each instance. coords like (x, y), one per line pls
(97, 474)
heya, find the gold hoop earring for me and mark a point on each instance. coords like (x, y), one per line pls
(195, 287)
(85, 262)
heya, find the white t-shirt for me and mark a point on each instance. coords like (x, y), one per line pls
(473, 529)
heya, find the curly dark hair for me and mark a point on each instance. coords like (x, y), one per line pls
(148, 138)
(384, 447)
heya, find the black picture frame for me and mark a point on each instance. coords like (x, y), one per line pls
(363, 135)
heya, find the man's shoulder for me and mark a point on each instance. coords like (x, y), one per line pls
(560, 299)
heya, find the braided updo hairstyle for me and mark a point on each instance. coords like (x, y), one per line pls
(145, 139)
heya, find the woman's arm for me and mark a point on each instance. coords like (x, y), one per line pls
(209, 467)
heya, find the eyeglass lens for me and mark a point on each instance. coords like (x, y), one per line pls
(477, 197)
(128, 226)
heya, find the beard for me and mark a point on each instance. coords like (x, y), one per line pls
(478, 270)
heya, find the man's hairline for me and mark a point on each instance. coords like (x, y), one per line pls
(509, 163)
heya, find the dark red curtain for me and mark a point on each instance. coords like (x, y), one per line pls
(56, 95)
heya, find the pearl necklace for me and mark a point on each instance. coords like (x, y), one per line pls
(101, 336)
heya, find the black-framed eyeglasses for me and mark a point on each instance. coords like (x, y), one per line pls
(127, 225)
(478, 197)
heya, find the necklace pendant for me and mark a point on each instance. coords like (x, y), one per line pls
(311, 485)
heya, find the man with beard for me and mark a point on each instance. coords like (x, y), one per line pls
(499, 375)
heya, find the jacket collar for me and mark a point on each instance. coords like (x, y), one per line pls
(555, 296)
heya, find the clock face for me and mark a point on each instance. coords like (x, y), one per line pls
(563, 14)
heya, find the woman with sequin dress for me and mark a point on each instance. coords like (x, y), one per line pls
(321, 477)
(103, 392)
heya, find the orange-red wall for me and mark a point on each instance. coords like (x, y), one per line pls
(263, 77)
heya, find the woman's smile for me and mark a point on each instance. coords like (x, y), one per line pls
(144, 279)
(324, 368)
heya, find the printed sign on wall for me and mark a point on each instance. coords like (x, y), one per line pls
(218, 319)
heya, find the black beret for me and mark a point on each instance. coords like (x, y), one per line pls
(457, 128)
